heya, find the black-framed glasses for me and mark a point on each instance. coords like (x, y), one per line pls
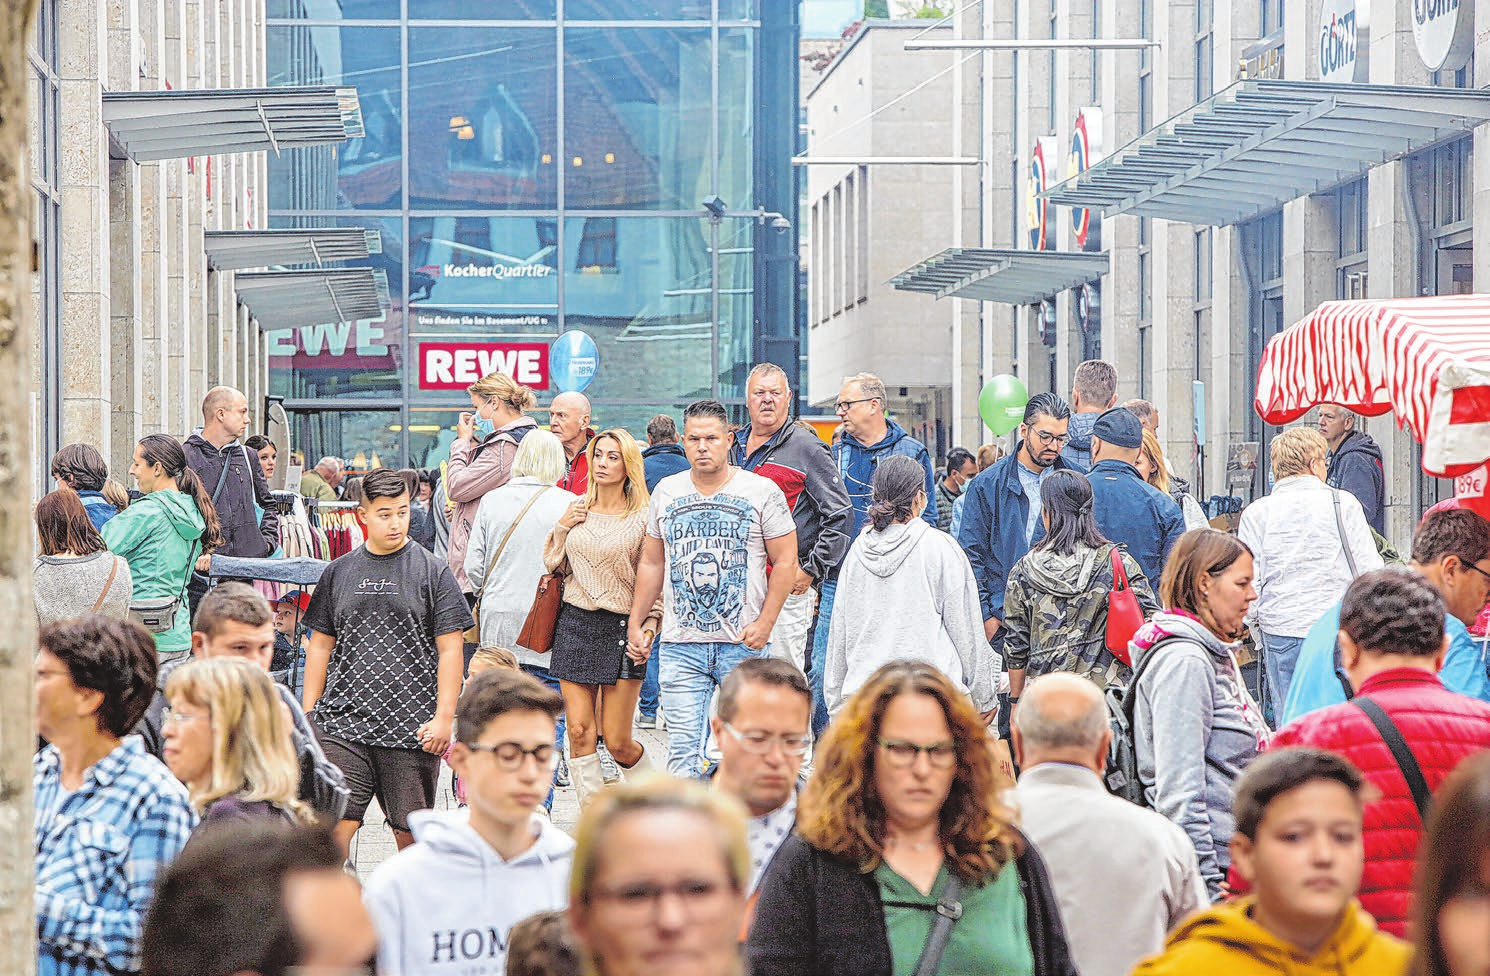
(1476, 569)
(842, 405)
(901, 754)
(760, 743)
(1046, 438)
(510, 755)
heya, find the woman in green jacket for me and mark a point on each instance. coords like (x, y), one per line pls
(162, 534)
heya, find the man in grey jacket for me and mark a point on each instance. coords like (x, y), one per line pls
(1124, 876)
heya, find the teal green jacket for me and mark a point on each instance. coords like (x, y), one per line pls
(159, 536)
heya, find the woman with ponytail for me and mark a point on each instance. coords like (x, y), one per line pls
(906, 591)
(164, 533)
(1055, 607)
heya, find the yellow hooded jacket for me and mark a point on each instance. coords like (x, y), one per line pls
(1225, 939)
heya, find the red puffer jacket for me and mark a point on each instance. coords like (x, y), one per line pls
(1440, 726)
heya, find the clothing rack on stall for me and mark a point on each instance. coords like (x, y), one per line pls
(336, 524)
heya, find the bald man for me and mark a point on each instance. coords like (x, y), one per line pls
(1124, 876)
(569, 419)
(231, 475)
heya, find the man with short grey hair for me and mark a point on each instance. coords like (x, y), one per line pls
(322, 481)
(1124, 876)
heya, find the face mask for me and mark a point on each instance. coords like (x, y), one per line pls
(484, 426)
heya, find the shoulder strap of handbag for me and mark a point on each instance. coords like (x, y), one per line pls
(1119, 574)
(948, 911)
(1340, 528)
(1407, 763)
(492, 563)
(227, 460)
(113, 570)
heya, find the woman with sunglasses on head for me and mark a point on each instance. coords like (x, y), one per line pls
(902, 815)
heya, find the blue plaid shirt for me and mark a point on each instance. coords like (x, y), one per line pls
(98, 853)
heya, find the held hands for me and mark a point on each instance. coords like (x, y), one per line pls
(465, 427)
(639, 655)
(576, 513)
(434, 735)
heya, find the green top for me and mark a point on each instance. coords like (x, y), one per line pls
(990, 939)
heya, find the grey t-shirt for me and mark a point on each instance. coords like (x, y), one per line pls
(384, 613)
(1031, 482)
(69, 586)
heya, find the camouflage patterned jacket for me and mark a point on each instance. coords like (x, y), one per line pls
(1055, 612)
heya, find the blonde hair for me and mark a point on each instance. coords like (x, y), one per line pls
(500, 386)
(1295, 449)
(1155, 451)
(492, 657)
(657, 792)
(636, 477)
(539, 455)
(253, 754)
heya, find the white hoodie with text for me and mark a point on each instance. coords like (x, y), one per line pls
(444, 906)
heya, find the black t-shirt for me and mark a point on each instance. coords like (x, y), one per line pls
(384, 613)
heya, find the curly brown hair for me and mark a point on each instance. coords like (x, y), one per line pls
(841, 813)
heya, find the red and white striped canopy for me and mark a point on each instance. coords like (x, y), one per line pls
(1425, 359)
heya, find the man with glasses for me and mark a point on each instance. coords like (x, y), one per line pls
(1002, 506)
(446, 904)
(765, 711)
(794, 457)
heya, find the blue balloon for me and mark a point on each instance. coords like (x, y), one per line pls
(573, 361)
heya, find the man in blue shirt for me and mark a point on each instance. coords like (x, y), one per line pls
(1452, 551)
(1128, 509)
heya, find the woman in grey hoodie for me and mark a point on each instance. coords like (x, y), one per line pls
(1195, 727)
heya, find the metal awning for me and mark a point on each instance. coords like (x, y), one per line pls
(1011, 277)
(286, 299)
(1259, 143)
(234, 250)
(146, 125)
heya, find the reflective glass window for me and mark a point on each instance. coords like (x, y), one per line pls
(338, 10)
(676, 10)
(363, 439)
(364, 173)
(637, 118)
(483, 112)
(736, 117)
(482, 10)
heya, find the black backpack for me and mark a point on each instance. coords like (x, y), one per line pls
(1121, 776)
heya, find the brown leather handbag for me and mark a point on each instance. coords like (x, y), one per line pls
(538, 629)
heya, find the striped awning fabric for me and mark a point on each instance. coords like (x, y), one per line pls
(1427, 360)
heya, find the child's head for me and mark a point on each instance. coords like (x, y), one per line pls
(384, 508)
(543, 945)
(1298, 837)
(489, 657)
(504, 748)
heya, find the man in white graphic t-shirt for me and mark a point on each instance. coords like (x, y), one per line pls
(716, 537)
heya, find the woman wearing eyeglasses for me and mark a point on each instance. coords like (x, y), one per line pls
(903, 813)
(658, 887)
(228, 738)
(445, 904)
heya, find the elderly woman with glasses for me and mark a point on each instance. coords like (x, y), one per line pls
(901, 832)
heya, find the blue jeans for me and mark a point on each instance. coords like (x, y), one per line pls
(551, 683)
(647, 702)
(1279, 657)
(820, 654)
(690, 673)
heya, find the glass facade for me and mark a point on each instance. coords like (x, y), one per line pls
(536, 168)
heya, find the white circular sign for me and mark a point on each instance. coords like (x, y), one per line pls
(1340, 35)
(1444, 32)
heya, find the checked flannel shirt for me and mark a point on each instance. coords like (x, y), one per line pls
(98, 853)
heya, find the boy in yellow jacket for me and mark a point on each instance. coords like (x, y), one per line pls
(1298, 843)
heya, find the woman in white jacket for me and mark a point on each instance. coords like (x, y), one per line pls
(906, 591)
(1308, 542)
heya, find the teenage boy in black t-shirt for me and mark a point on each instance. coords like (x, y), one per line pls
(383, 669)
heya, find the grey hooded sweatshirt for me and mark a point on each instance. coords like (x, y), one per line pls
(908, 593)
(445, 906)
(1195, 729)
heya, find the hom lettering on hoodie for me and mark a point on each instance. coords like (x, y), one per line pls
(444, 906)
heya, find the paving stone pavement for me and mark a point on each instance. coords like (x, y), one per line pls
(374, 842)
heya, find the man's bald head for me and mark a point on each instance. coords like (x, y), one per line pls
(1062, 718)
(569, 419)
(224, 415)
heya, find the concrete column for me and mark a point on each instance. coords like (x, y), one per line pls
(176, 415)
(1174, 339)
(1394, 53)
(126, 333)
(201, 73)
(150, 179)
(1309, 247)
(1228, 385)
(86, 394)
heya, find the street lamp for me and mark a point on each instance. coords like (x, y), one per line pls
(718, 211)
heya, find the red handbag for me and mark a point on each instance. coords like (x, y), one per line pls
(1124, 616)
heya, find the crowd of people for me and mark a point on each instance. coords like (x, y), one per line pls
(1025, 713)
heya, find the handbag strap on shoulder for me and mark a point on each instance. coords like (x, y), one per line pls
(1119, 574)
(492, 563)
(948, 911)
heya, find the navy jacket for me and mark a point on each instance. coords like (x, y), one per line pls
(801, 465)
(994, 514)
(1133, 512)
(244, 533)
(661, 460)
(856, 464)
(1356, 467)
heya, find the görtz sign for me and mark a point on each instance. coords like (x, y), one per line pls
(1444, 32)
(1343, 41)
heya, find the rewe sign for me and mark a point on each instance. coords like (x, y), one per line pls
(456, 365)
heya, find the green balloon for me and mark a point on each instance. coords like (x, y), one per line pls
(1001, 403)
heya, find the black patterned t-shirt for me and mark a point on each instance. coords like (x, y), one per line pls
(384, 613)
